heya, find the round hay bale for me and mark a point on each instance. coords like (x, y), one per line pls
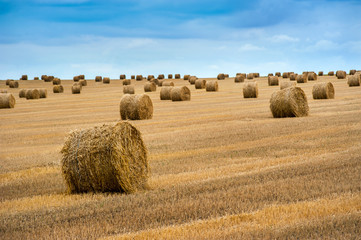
(128, 89)
(312, 76)
(127, 82)
(76, 78)
(107, 158)
(285, 75)
(160, 83)
(341, 74)
(200, 84)
(136, 107)
(165, 93)
(192, 80)
(353, 80)
(56, 81)
(3, 91)
(13, 84)
(273, 81)
(122, 76)
(186, 77)
(293, 76)
(58, 89)
(43, 92)
(139, 77)
(106, 80)
(289, 102)
(302, 78)
(98, 78)
(8, 81)
(323, 91)
(352, 72)
(250, 90)
(161, 76)
(256, 75)
(49, 79)
(22, 93)
(150, 77)
(81, 77)
(320, 73)
(226, 75)
(36, 78)
(76, 88)
(180, 94)
(156, 81)
(167, 84)
(221, 76)
(250, 76)
(239, 78)
(212, 86)
(278, 74)
(83, 82)
(24, 77)
(177, 76)
(284, 85)
(170, 76)
(270, 74)
(331, 73)
(43, 77)
(150, 87)
(132, 77)
(32, 94)
(7, 100)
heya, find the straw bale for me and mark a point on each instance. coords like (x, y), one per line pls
(165, 93)
(43, 92)
(56, 81)
(76, 78)
(177, 76)
(161, 76)
(58, 89)
(13, 84)
(7, 100)
(22, 93)
(139, 77)
(278, 74)
(127, 82)
(323, 91)
(284, 85)
(320, 73)
(167, 84)
(76, 88)
(98, 78)
(239, 78)
(312, 76)
(150, 87)
(212, 86)
(186, 77)
(341, 74)
(192, 80)
(122, 76)
(32, 94)
(132, 77)
(250, 76)
(170, 76)
(200, 83)
(106, 80)
(180, 94)
(285, 75)
(302, 78)
(128, 89)
(150, 77)
(352, 71)
(250, 90)
(354, 80)
(24, 77)
(136, 107)
(221, 76)
(273, 81)
(293, 76)
(331, 73)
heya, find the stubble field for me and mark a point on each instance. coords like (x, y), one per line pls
(221, 166)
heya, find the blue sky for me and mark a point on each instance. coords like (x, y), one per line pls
(93, 37)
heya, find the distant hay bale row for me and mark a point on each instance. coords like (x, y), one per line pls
(278, 74)
(320, 73)
(7, 100)
(127, 82)
(136, 107)
(122, 76)
(150, 77)
(139, 77)
(76, 88)
(323, 91)
(177, 76)
(132, 77)
(331, 73)
(200, 84)
(170, 76)
(289, 102)
(270, 74)
(161, 76)
(212, 86)
(221, 76)
(165, 93)
(117, 161)
(341, 74)
(150, 87)
(250, 90)
(36, 78)
(24, 77)
(98, 78)
(352, 71)
(180, 94)
(58, 89)
(186, 77)
(312, 76)
(13, 84)
(354, 80)
(106, 80)
(47, 78)
(284, 85)
(302, 78)
(293, 76)
(273, 81)
(192, 80)
(128, 89)
(285, 75)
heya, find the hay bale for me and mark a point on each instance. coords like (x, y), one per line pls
(98, 78)
(150, 87)
(127, 82)
(161, 76)
(58, 89)
(8, 81)
(323, 91)
(212, 86)
(56, 81)
(302, 78)
(76, 88)
(3, 91)
(165, 93)
(107, 158)
(83, 82)
(13, 84)
(180, 94)
(170, 76)
(285, 75)
(293, 76)
(36, 78)
(270, 74)
(226, 75)
(239, 78)
(156, 81)
(352, 72)
(122, 76)
(331, 73)
(177, 76)
(250, 90)
(192, 80)
(132, 77)
(256, 75)
(43, 77)
(24, 77)
(200, 83)
(341, 74)
(250, 76)
(278, 74)
(221, 76)
(186, 77)
(273, 81)
(128, 89)
(160, 83)
(289, 102)
(139, 77)
(7, 100)
(22, 93)
(167, 84)
(320, 73)
(106, 80)
(43, 92)
(49, 79)
(32, 94)
(150, 77)
(284, 85)
(353, 80)
(81, 77)
(136, 107)
(312, 76)
(76, 78)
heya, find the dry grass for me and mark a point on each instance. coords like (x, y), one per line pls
(254, 177)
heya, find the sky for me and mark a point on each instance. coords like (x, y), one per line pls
(65, 38)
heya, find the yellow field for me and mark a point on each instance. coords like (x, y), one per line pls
(222, 166)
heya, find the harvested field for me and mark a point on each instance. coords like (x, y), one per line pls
(221, 166)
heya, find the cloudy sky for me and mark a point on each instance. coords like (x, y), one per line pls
(94, 37)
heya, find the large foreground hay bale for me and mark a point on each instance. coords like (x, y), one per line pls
(354, 80)
(167, 84)
(221, 76)
(250, 76)
(127, 82)
(200, 83)
(58, 89)
(170, 76)
(239, 78)
(312, 76)
(32, 94)
(186, 77)
(341, 74)
(180, 94)
(250, 90)
(284, 85)
(289, 102)
(323, 91)
(331, 73)
(320, 73)
(150, 87)
(13, 84)
(56, 81)
(165, 93)
(132, 77)
(7, 100)
(293, 76)
(192, 80)
(136, 107)
(107, 158)
(98, 78)
(273, 81)
(212, 86)
(43, 92)
(22, 93)
(302, 78)
(76, 88)
(24, 77)
(122, 76)
(177, 76)
(106, 80)
(139, 77)
(128, 89)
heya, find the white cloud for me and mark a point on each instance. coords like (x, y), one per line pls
(250, 47)
(283, 38)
